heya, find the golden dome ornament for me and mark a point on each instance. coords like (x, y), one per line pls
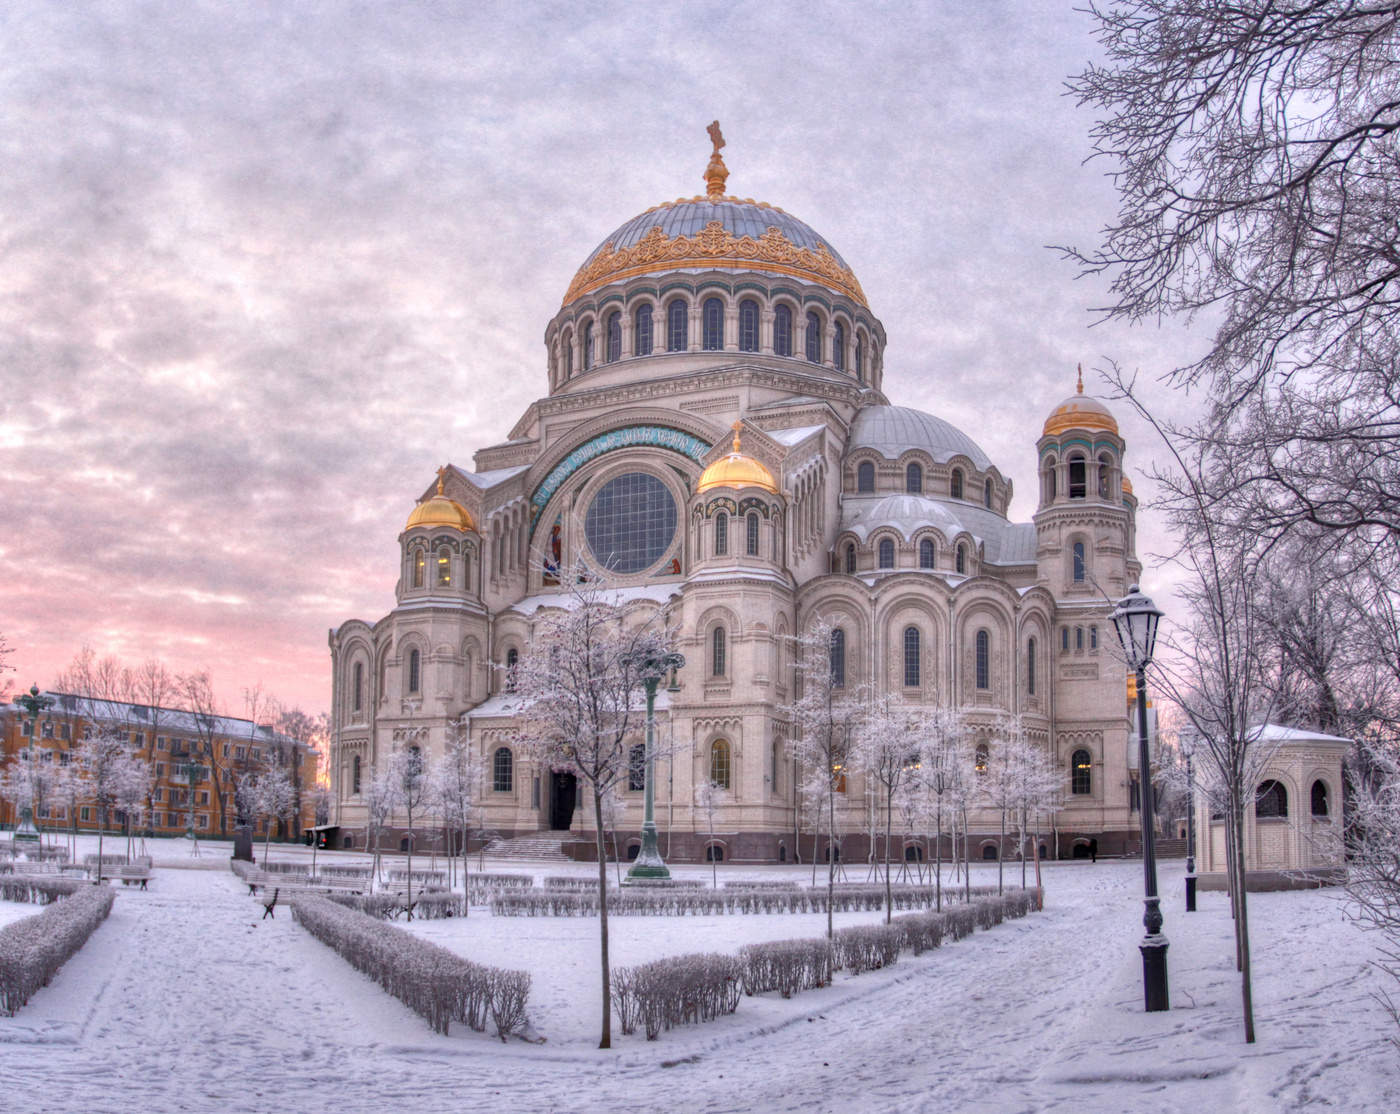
(736, 470)
(439, 510)
(1079, 411)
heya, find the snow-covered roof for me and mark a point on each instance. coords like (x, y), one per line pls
(1278, 733)
(508, 703)
(793, 436)
(892, 430)
(656, 593)
(1003, 543)
(485, 480)
(173, 720)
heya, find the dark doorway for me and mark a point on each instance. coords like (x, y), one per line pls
(563, 788)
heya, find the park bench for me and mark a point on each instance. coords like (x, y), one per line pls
(132, 874)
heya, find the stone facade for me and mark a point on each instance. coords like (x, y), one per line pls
(883, 520)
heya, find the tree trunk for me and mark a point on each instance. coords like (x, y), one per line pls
(1242, 927)
(938, 850)
(1023, 848)
(830, 856)
(1000, 845)
(267, 839)
(408, 913)
(466, 887)
(889, 824)
(606, 1039)
(101, 828)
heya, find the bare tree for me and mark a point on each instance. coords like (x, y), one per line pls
(271, 797)
(581, 706)
(944, 777)
(826, 717)
(888, 752)
(197, 694)
(409, 766)
(106, 765)
(1253, 145)
(709, 799)
(1373, 880)
(381, 795)
(458, 779)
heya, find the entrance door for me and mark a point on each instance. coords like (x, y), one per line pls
(563, 789)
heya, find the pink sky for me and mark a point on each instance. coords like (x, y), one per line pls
(266, 267)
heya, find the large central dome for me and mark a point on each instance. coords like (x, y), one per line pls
(715, 232)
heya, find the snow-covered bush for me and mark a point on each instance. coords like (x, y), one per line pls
(438, 906)
(682, 990)
(774, 884)
(382, 906)
(867, 947)
(922, 931)
(787, 966)
(34, 948)
(430, 980)
(41, 890)
(510, 881)
(569, 882)
(680, 901)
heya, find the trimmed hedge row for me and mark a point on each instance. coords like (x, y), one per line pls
(34, 948)
(683, 990)
(787, 966)
(41, 889)
(669, 901)
(435, 983)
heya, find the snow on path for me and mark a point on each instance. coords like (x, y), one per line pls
(184, 1000)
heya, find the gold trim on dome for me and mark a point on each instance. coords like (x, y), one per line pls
(1127, 486)
(1080, 412)
(439, 510)
(714, 246)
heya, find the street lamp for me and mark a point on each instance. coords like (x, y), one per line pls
(653, 665)
(1136, 619)
(1188, 750)
(32, 703)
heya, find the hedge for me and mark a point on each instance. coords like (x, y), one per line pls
(670, 901)
(34, 948)
(435, 983)
(680, 990)
(41, 889)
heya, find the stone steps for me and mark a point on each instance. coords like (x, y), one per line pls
(547, 849)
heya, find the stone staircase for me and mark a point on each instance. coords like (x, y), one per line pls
(542, 848)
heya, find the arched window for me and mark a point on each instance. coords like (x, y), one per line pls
(1319, 798)
(984, 660)
(512, 661)
(775, 774)
(1093, 638)
(677, 322)
(748, 325)
(926, 554)
(860, 358)
(911, 657)
(637, 767)
(355, 775)
(1078, 562)
(503, 770)
(444, 568)
(914, 479)
(721, 534)
(714, 853)
(782, 331)
(413, 671)
(850, 559)
(955, 484)
(960, 564)
(1271, 800)
(1030, 666)
(641, 330)
(420, 567)
(1076, 477)
(838, 347)
(719, 764)
(614, 331)
(865, 477)
(1105, 469)
(467, 569)
(987, 494)
(1051, 472)
(751, 534)
(1064, 639)
(717, 662)
(712, 325)
(587, 346)
(357, 690)
(1081, 773)
(838, 658)
(886, 553)
(814, 337)
(568, 355)
(1079, 638)
(979, 758)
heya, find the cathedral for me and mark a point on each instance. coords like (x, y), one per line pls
(716, 438)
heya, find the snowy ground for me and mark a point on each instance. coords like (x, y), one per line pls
(186, 1000)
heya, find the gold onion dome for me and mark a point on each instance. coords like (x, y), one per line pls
(736, 470)
(1127, 486)
(715, 232)
(439, 510)
(1079, 411)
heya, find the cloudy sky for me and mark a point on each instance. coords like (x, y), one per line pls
(266, 265)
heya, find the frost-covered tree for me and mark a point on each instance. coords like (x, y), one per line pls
(134, 792)
(709, 799)
(410, 767)
(888, 752)
(826, 718)
(106, 766)
(27, 779)
(581, 707)
(457, 781)
(944, 780)
(270, 796)
(1373, 880)
(381, 792)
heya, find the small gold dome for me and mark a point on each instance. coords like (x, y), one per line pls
(1127, 486)
(439, 510)
(736, 470)
(1079, 411)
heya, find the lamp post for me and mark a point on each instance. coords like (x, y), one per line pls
(1135, 618)
(653, 665)
(33, 704)
(1188, 750)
